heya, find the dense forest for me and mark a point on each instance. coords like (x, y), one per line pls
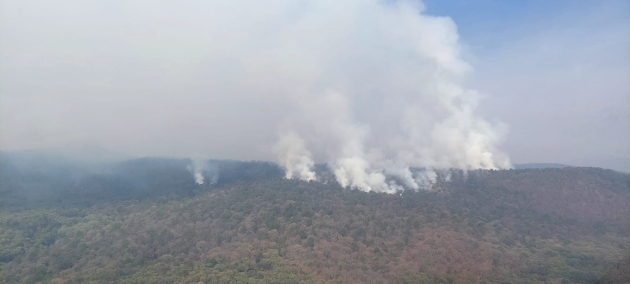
(147, 221)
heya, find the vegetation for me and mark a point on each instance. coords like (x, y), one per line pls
(518, 226)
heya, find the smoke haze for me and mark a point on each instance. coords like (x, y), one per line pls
(374, 89)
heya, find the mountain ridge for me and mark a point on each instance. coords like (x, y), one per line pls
(146, 220)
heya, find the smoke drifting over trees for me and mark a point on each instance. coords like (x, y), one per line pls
(406, 65)
(371, 88)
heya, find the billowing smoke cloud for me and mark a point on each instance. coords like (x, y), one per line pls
(375, 89)
(294, 157)
(421, 116)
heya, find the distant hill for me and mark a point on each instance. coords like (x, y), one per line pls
(39, 179)
(147, 221)
(539, 166)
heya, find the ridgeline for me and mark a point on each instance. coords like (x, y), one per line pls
(147, 221)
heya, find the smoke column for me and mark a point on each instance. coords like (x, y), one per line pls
(197, 167)
(294, 157)
(198, 178)
(375, 89)
(418, 113)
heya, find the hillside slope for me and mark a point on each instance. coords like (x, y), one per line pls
(539, 166)
(518, 226)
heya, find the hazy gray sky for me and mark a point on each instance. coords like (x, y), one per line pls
(220, 79)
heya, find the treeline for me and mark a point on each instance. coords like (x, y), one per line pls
(518, 226)
(42, 180)
(146, 220)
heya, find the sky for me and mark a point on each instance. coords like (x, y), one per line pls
(558, 72)
(351, 79)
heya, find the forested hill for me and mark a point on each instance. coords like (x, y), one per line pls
(539, 166)
(147, 221)
(42, 179)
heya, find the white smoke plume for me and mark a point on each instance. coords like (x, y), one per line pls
(426, 178)
(420, 113)
(196, 168)
(198, 177)
(294, 157)
(375, 89)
